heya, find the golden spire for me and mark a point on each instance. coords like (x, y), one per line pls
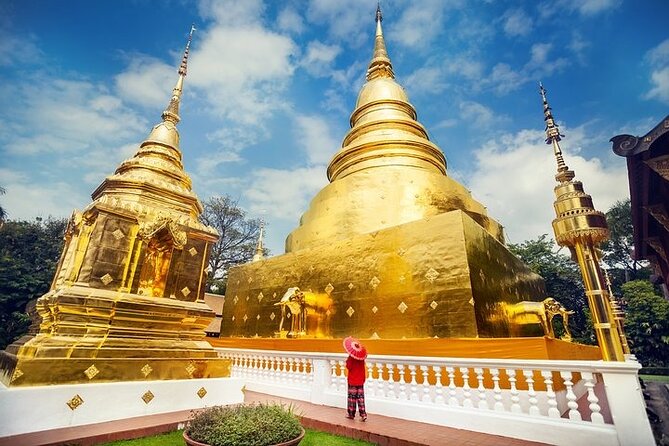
(380, 65)
(580, 227)
(171, 113)
(553, 136)
(260, 251)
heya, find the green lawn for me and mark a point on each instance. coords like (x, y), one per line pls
(655, 378)
(312, 438)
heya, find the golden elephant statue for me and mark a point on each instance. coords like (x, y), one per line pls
(528, 312)
(309, 314)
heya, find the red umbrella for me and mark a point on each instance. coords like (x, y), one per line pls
(354, 348)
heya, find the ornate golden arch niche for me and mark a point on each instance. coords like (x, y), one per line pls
(161, 237)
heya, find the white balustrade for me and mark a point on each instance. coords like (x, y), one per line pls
(588, 403)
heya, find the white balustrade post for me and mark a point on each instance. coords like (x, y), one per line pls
(531, 393)
(595, 409)
(574, 414)
(626, 404)
(499, 406)
(378, 390)
(413, 395)
(452, 398)
(466, 389)
(390, 384)
(483, 401)
(553, 411)
(322, 373)
(515, 399)
(343, 379)
(439, 388)
(403, 394)
(426, 384)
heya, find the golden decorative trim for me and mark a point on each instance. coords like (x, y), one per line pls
(106, 279)
(190, 368)
(329, 288)
(351, 286)
(91, 371)
(245, 318)
(433, 305)
(402, 307)
(431, 275)
(185, 291)
(146, 370)
(148, 397)
(374, 282)
(350, 311)
(272, 316)
(75, 402)
(202, 392)
(260, 296)
(374, 309)
(192, 251)
(118, 234)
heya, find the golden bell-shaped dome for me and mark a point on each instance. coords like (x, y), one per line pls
(387, 171)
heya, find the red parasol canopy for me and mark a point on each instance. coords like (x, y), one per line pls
(354, 348)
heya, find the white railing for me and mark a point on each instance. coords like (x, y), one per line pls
(557, 402)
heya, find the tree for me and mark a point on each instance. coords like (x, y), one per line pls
(3, 213)
(618, 249)
(29, 253)
(646, 323)
(237, 242)
(563, 282)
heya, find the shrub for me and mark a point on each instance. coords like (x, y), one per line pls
(244, 425)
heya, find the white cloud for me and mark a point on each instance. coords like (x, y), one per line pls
(59, 115)
(516, 23)
(232, 12)
(17, 51)
(593, 7)
(660, 82)
(147, 81)
(284, 194)
(480, 116)
(290, 20)
(315, 138)
(519, 169)
(418, 24)
(658, 58)
(26, 200)
(350, 21)
(426, 79)
(659, 55)
(504, 79)
(319, 58)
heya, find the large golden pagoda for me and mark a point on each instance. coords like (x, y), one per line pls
(391, 248)
(126, 302)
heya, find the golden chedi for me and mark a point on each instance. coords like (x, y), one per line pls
(391, 248)
(126, 300)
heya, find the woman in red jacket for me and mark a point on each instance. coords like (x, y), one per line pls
(355, 365)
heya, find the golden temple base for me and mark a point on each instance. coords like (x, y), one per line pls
(92, 335)
(19, 372)
(492, 348)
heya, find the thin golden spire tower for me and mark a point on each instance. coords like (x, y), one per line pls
(581, 228)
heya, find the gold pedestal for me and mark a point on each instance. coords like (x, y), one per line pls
(443, 276)
(93, 335)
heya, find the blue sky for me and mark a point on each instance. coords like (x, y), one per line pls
(271, 85)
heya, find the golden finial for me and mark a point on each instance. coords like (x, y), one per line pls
(553, 136)
(260, 251)
(171, 113)
(380, 65)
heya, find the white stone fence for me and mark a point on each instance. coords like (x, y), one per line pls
(588, 403)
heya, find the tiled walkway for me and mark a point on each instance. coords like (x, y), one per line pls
(378, 429)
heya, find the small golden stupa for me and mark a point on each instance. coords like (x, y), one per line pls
(392, 248)
(126, 302)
